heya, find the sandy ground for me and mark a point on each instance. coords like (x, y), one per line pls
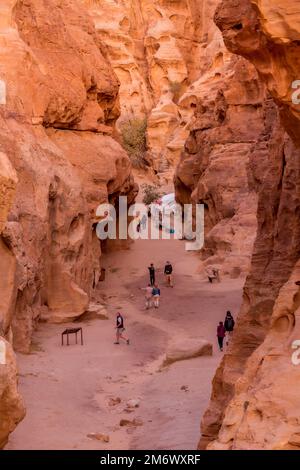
(67, 390)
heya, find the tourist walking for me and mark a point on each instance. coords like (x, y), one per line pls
(156, 295)
(148, 295)
(144, 222)
(152, 274)
(229, 325)
(221, 333)
(120, 329)
(168, 274)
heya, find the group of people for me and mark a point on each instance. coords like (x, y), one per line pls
(225, 329)
(152, 291)
(168, 270)
(152, 295)
(152, 298)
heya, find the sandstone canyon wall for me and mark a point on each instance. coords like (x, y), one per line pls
(169, 56)
(11, 406)
(217, 166)
(158, 49)
(58, 162)
(56, 129)
(254, 402)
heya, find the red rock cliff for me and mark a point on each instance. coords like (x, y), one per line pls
(59, 103)
(254, 401)
(11, 405)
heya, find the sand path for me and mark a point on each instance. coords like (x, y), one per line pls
(68, 390)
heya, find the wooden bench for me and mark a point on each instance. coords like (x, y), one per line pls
(71, 331)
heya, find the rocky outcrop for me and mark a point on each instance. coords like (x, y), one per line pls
(187, 348)
(254, 401)
(169, 57)
(267, 35)
(158, 49)
(8, 182)
(217, 166)
(56, 128)
(11, 405)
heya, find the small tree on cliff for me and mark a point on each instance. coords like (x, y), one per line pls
(151, 193)
(134, 140)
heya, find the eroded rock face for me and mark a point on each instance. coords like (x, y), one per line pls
(264, 410)
(8, 182)
(12, 409)
(267, 34)
(158, 49)
(254, 402)
(218, 164)
(170, 58)
(55, 128)
(187, 348)
(11, 405)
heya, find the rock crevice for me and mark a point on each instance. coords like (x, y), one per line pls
(254, 403)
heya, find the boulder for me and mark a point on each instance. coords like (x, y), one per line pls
(99, 437)
(188, 348)
(95, 311)
(131, 423)
(133, 403)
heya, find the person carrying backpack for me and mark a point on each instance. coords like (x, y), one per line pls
(156, 295)
(168, 273)
(221, 333)
(229, 325)
(120, 329)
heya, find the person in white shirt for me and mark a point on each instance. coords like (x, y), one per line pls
(148, 295)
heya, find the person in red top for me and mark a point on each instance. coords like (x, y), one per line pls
(221, 333)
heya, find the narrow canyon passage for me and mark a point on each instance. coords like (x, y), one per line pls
(147, 100)
(68, 390)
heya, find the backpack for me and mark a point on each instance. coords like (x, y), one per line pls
(168, 269)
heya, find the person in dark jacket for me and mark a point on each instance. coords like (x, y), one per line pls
(229, 325)
(120, 329)
(152, 274)
(168, 273)
(221, 333)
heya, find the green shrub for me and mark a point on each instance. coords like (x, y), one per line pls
(151, 193)
(134, 140)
